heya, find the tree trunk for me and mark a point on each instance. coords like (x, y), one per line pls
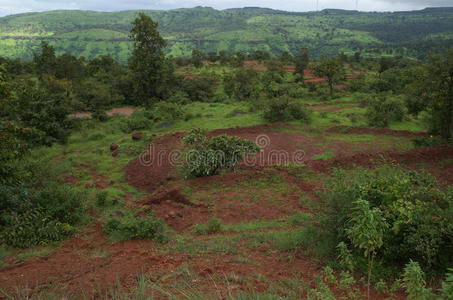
(370, 266)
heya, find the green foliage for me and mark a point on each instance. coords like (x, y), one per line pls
(130, 226)
(214, 225)
(447, 285)
(136, 122)
(413, 281)
(384, 109)
(168, 111)
(197, 58)
(332, 69)
(207, 156)
(416, 209)
(147, 62)
(282, 110)
(33, 109)
(45, 61)
(345, 257)
(201, 87)
(366, 230)
(434, 90)
(242, 84)
(431, 141)
(38, 216)
(91, 34)
(100, 116)
(33, 227)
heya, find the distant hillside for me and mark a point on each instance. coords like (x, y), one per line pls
(89, 33)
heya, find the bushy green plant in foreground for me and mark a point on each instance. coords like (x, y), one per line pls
(415, 212)
(38, 215)
(209, 155)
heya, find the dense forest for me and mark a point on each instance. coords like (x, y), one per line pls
(239, 175)
(415, 34)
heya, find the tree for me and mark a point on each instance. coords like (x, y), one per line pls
(69, 67)
(197, 58)
(242, 84)
(385, 63)
(332, 69)
(147, 63)
(302, 61)
(367, 232)
(434, 91)
(46, 60)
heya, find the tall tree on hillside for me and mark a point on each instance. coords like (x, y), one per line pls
(332, 69)
(46, 60)
(197, 58)
(434, 91)
(147, 63)
(302, 61)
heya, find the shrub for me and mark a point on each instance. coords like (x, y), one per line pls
(413, 281)
(416, 209)
(201, 87)
(282, 110)
(179, 97)
(209, 155)
(135, 122)
(382, 110)
(100, 116)
(129, 227)
(31, 228)
(242, 84)
(168, 111)
(214, 225)
(39, 216)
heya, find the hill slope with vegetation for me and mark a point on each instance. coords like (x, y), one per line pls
(90, 34)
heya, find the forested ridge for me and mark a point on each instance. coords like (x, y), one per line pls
(90, 34)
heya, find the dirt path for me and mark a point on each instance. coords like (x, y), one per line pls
(120, 111)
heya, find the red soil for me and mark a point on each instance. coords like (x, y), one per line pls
(89, 264)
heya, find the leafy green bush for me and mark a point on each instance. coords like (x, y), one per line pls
(135, 122)
(179, 97)
(100, 115)
(130, 226)
(200, 87)
(39, 216)
(413, 281)
(382, 110)
(414, 208)
(214, 225)
(282, 109)
(209, 155)
(168, 111)
(33, 227)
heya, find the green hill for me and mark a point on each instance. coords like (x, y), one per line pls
(89, 33)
